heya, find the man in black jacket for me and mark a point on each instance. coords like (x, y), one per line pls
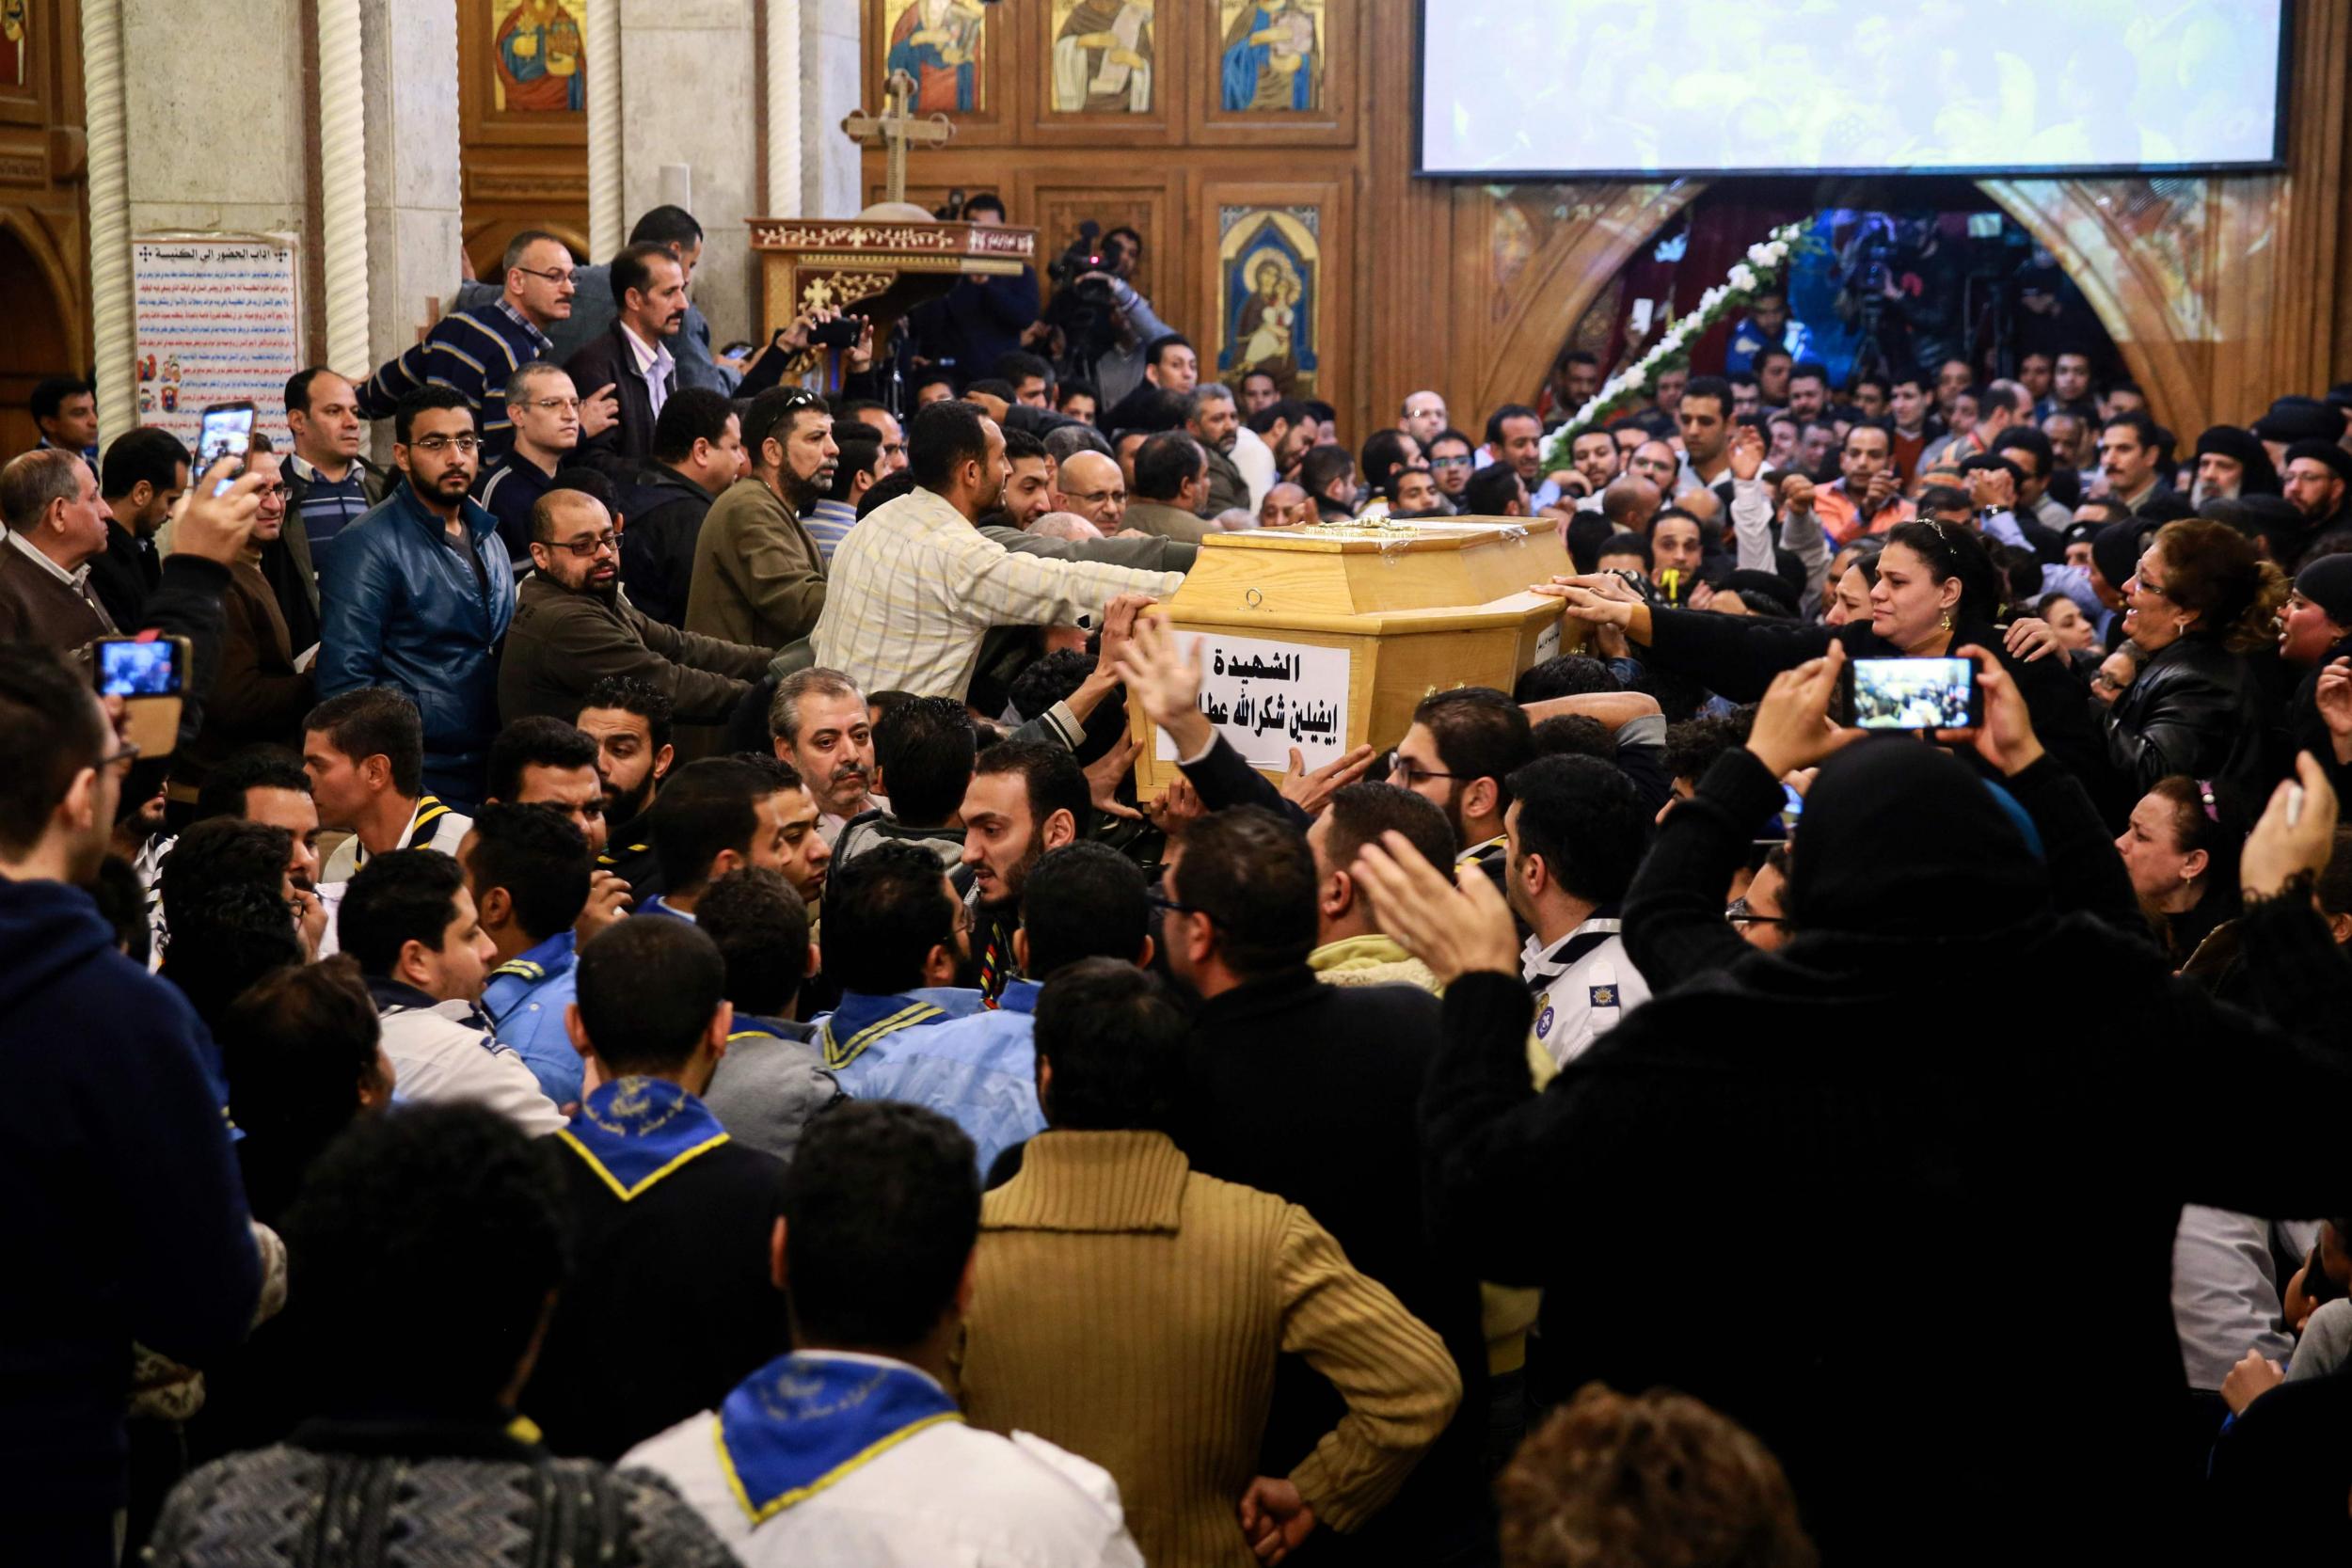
(145, 472)
(631, 361)
(697, 452)
(671, 1221)
(1309, 1091)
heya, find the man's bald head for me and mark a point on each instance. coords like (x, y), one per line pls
(1700, 502)
(1093, 487)
(1064, 525)
(1630, 504)
(1285, 505)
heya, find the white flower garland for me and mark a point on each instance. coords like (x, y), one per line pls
(1764, 264)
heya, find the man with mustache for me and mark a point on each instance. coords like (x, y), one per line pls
(822, 726)
(574, 627)
(633, 357)
(758, 578)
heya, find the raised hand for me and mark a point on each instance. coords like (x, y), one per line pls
(1163, 677)
(2335, 705)
(2006, 738)
(2296, 835)
(1456, 927)
(217, 528)
(1310, 791)
(1793, 726)
(1747, 451)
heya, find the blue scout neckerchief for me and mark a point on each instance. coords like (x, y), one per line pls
(805, 1421)
(633, 1132)
(860, 1021)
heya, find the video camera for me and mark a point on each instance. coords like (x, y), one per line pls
(1084, 307)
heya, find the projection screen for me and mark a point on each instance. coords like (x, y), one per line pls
(1630, 88)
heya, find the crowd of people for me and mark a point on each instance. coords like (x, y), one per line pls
(641, 1016)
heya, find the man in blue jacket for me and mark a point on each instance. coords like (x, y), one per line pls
(126, 1220)
(417, 593)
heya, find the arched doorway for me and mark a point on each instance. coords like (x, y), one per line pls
(2148, 255)
(39, 341)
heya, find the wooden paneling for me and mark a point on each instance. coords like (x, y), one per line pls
(1146, 197)
(523, 167)
(45, 245)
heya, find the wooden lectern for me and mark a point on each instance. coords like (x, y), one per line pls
(1325, 637)
(878, 266)
(893, 256)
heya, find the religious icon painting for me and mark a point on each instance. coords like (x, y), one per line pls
(1270, 56)
(16, 42)
(1103, 57)
(538, 60)
(1269, 269)
(939, 43)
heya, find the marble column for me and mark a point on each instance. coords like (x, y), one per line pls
(688, 102)
(416, 249)
(829, 88)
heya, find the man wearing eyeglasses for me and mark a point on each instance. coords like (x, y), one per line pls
(417, 593)
(478, 349)
(573, 627)
(258, 695)
(544, 402)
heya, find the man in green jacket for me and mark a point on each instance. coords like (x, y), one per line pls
(573, 627)
(758, 578)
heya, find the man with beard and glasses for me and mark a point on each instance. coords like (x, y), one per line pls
(897, 941)
(822, 725)
(573, 627)
(629, 721)
(418, 594)
(1025, 799)
(916, 586)
(759, 578)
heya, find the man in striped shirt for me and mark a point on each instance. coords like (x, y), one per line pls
(915, 586)
(478, 350)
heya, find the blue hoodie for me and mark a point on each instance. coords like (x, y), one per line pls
(124, 1218)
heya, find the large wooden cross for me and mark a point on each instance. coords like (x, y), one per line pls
(897, 128)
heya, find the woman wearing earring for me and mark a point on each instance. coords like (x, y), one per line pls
(2180, 850)
(2201, 601)
(1933, 594)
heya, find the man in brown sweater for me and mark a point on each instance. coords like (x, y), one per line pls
(759, 578)
(56, 526)
(1130, 1309)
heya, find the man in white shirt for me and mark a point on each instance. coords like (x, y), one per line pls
(1576, 827)
(409, 921)
(364, 752)
(915, 586)
(833, 1455)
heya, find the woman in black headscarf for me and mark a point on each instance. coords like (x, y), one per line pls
(1843, 1134)
(1935, 591)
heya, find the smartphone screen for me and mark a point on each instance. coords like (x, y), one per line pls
(1913, 694)
(228, 429)
(134, 667)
